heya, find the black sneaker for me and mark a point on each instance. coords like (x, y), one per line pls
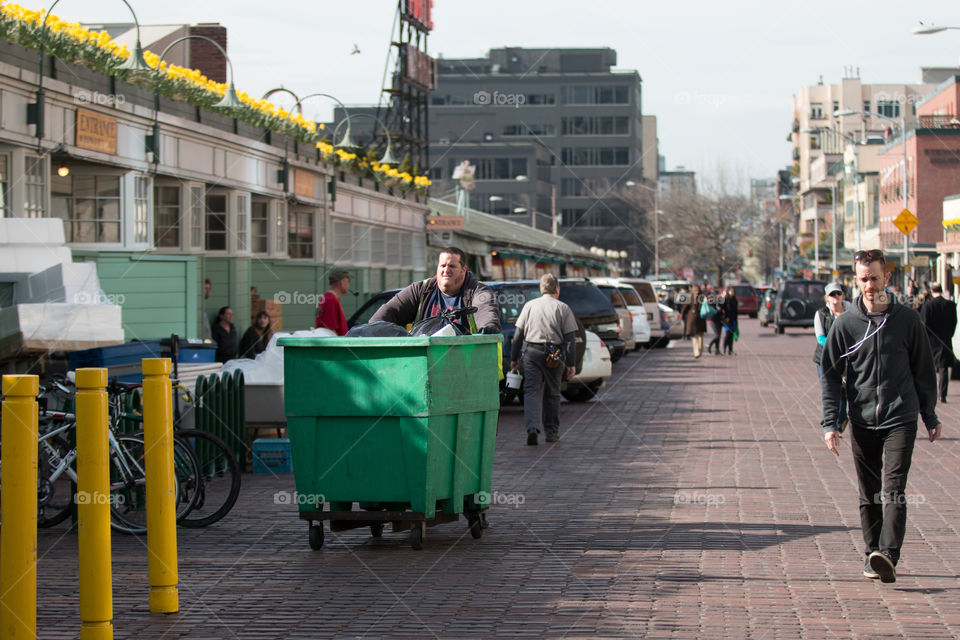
(869, 572)
(532, 438)
(883, 565)
(553, 437)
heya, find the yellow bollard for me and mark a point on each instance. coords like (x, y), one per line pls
(18, 508)
(161, 488)
(93, 506)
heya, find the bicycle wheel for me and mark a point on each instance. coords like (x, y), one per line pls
(219, 478)
(55, 496)
(128, 497)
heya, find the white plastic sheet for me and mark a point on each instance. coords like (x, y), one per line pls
(267, 368)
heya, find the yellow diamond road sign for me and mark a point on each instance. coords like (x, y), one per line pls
(906, 221)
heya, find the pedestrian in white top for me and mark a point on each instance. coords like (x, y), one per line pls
(546, 331)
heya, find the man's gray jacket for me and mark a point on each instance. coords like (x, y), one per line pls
(888, 366)
(410, 304)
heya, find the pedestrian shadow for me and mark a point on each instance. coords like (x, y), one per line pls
(709, 536)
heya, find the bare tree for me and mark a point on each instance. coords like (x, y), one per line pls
(710, 230)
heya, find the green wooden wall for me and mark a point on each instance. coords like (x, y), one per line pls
(165, 294)
(157, 294)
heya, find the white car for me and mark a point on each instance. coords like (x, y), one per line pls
(673, 317)
(641, 328)
(594, 372)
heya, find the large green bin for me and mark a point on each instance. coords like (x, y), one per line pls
(403, 422)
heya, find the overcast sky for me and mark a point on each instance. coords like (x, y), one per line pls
(719, 76)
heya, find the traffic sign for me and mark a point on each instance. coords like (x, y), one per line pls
(445, 222)
(906, 222)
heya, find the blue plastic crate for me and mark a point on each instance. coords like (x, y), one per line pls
(116, 354)
(272, 455)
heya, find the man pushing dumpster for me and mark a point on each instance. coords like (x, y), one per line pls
(453, 287)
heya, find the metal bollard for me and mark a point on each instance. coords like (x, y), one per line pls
(18, 508)
(161, 488)
(93, 506)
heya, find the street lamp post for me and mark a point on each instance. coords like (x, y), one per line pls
(833, 249)
(795, 199)
(903, 136)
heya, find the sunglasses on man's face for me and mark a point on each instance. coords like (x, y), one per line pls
(836, 294)
(868, 256)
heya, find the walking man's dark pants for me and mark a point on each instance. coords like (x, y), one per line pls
(541, 393)
(943, 379)
(883, 510)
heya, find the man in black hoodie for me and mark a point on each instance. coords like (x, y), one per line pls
(881, 347)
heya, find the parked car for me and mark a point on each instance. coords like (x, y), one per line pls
(370, 307)
(748, 302)
(797, 303)
(674, 320)
(659, 336)
(767, 300)
(625, 318)
(594, 373)
(641, 328)
(594, 310)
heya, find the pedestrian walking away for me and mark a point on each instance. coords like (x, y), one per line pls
(729, 313)
(940, 317)
(453, 287)
(545, 341)
(822, 321)
(330, 313)
(882, 348)
(694, 320)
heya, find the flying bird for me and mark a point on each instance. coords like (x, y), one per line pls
(356, 49)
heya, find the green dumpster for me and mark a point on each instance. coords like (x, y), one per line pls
(404, 427)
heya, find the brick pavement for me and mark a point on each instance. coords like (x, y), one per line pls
(694, 499)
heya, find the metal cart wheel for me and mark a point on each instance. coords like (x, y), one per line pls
(316, 536)
(417, 534)
(376, 530)
(475, 524)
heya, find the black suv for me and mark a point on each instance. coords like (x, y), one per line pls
(594, 310)
(797, 303)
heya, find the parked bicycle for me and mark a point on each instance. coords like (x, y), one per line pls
(206, 473)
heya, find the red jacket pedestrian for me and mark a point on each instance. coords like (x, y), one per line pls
(329, 310)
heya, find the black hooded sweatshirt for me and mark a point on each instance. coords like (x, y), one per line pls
(890, 374)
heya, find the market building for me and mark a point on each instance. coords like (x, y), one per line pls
(163, 199)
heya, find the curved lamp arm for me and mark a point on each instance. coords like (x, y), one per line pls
(229, 99)
(278, 89)
(388, 157)
(347, 138)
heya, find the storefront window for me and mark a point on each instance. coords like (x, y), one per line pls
(34, 172)
(258, 225)
(196, 217)
(166, 218)
(4, 187)
(89, 206)
(243, 222)
(141, 209)
(216, 219)
(300, 233)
